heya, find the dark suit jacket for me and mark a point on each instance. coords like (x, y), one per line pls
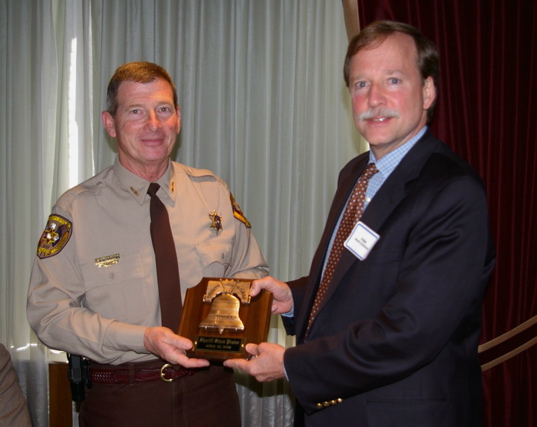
(395, 341)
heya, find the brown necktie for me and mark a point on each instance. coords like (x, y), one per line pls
(352, 214)
(169, 287)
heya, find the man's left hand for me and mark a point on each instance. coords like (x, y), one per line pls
(171, 347)
(266, 363)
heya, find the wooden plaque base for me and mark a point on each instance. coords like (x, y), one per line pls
(213, 313)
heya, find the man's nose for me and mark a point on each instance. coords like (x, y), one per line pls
(376, 95)
(153, 121)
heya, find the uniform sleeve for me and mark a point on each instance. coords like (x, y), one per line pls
(55, 310)
(247, 260)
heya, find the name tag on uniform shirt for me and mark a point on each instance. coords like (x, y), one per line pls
(361, 241)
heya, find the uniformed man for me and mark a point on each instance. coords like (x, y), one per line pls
(94, 289)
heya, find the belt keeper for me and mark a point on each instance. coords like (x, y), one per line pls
(132, 374)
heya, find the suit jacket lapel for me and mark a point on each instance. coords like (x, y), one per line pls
(392, 192)
(345, 187)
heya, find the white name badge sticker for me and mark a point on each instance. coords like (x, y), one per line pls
(361, 240)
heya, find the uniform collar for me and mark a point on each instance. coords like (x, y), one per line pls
(137, 186)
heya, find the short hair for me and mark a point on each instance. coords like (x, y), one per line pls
(374, 34)
(139, 72)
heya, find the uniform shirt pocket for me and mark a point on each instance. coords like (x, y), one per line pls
(117, 291)
(214, 258)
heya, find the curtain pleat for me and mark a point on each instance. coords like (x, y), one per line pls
(485, 112)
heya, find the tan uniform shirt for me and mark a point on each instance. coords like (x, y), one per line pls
(93, 288)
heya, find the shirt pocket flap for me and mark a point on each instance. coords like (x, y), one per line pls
(103, 273)
(210, 253)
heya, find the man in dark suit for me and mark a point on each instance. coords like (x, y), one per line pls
(387, 329)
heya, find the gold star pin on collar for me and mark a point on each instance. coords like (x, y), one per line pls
(216, 222)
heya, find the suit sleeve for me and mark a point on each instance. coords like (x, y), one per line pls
(298, 288)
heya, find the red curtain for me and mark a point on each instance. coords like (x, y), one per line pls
(488, 54)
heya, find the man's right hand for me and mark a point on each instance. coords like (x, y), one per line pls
(282, 298)
(171, 347)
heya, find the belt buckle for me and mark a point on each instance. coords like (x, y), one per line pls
(163, 374)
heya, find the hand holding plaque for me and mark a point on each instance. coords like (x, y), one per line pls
(220, 318)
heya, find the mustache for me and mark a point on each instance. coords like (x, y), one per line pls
(378, 112)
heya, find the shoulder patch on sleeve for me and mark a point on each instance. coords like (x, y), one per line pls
(56, 235)
(237, 212)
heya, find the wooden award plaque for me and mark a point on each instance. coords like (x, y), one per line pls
(220, 318)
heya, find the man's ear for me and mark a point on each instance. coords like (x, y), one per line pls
(109, 123)
(429, 92)
(178, 113)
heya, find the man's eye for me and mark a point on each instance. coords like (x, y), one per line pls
(394, 80)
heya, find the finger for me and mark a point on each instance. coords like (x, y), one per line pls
(178, 342)
(267, 282)
(184, 343)
(252, 349)
(255, 288)
(237, 364)
(190, 363)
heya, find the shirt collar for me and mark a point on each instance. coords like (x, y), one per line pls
(389, 162)
(137, 186)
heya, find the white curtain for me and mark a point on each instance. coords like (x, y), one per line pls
(263, 105)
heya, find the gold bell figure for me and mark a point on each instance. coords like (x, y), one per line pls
(224, 314)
